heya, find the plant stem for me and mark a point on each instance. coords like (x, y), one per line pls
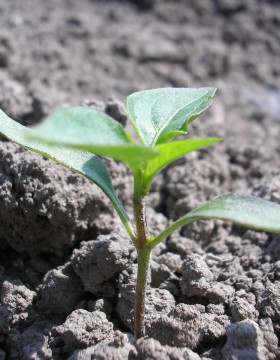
(140, 212)
(140, 294)
(143, 256)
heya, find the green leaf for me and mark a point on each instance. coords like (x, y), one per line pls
(249, 211)
(91, 130)
(79, 161)
(161, 114)
(171, 151)
(246, 210)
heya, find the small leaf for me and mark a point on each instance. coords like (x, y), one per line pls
(79, 161)
(249, 211)
(171, 151)
(160, 114)
(91, 130)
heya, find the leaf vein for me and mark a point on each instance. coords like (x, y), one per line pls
(160, 130)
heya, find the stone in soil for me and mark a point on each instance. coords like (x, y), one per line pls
(245, 341)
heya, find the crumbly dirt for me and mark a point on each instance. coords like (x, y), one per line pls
(67, 268)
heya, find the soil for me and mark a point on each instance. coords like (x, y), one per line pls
(67, 268)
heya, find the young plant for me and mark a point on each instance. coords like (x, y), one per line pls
(74, 136)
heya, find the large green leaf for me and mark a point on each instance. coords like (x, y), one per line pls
(161, 114)
(171, 151)
(245, 210)
(79, 161)
(91, 130)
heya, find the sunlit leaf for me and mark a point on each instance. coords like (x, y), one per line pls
(161, 114)
(91, 130)
(249, 211)
(82, 162)
(245, 210)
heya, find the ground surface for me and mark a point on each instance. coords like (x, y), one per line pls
(215, 288)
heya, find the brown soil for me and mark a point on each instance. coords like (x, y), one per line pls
(67, 269)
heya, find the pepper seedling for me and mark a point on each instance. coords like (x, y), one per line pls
(73, 137)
